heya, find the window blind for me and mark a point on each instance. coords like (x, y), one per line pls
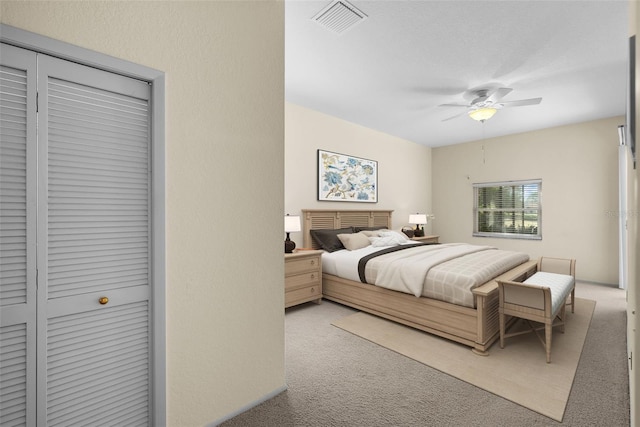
(508, 209)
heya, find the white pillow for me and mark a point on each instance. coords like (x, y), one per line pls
(399, 234)
(388, 238)
(374, 233)
(354, 241)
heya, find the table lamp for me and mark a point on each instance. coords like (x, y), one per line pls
(418, 219)
(291, 224)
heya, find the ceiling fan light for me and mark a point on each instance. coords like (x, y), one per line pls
(482, 114)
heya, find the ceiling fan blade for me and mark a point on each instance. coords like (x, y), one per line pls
(454, 117)
(453, 105)
(521, 102)
(498, 95)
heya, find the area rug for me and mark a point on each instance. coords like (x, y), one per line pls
(518, 372)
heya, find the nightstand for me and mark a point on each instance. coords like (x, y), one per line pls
(302, 277)
(426, 239)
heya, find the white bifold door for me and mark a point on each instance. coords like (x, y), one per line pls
(75, 206)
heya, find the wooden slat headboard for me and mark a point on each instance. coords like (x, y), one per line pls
(320, 219)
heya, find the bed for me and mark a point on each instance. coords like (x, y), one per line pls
(476, 326)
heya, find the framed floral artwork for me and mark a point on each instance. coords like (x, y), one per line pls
(343, 178)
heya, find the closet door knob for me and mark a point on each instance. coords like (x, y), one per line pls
(103, 300)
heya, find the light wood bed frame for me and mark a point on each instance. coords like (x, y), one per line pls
(477, 327)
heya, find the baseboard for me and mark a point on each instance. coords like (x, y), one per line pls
(248, 406)
(591, 282)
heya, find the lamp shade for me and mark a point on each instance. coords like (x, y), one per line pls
(482, 114)
(291, 223)
(418, 219)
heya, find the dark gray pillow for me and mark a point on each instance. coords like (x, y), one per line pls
(328, 239)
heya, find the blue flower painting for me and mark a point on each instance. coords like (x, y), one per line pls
(343, 178)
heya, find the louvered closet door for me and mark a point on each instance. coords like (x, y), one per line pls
(17, 236)
(94, 248)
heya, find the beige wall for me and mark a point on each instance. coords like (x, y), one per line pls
(578, 165)
(404, 167)
(225, 339)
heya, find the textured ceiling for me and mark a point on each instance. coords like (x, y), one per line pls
(392, 70)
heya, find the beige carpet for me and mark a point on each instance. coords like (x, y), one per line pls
(518, 372)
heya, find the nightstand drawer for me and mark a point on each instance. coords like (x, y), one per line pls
(297, 266)
(304, 279)
(302, 295)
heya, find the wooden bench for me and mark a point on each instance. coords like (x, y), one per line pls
(540, 298)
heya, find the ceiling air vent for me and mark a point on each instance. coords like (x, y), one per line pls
(339, 16)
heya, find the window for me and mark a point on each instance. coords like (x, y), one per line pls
(509, 209)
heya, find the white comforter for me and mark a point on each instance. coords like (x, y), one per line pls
(406, 270)
(446, 272)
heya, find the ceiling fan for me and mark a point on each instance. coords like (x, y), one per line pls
(486, 102)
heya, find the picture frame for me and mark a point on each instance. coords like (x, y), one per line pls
(346, 178)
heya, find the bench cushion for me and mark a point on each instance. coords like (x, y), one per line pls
(560, 286)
